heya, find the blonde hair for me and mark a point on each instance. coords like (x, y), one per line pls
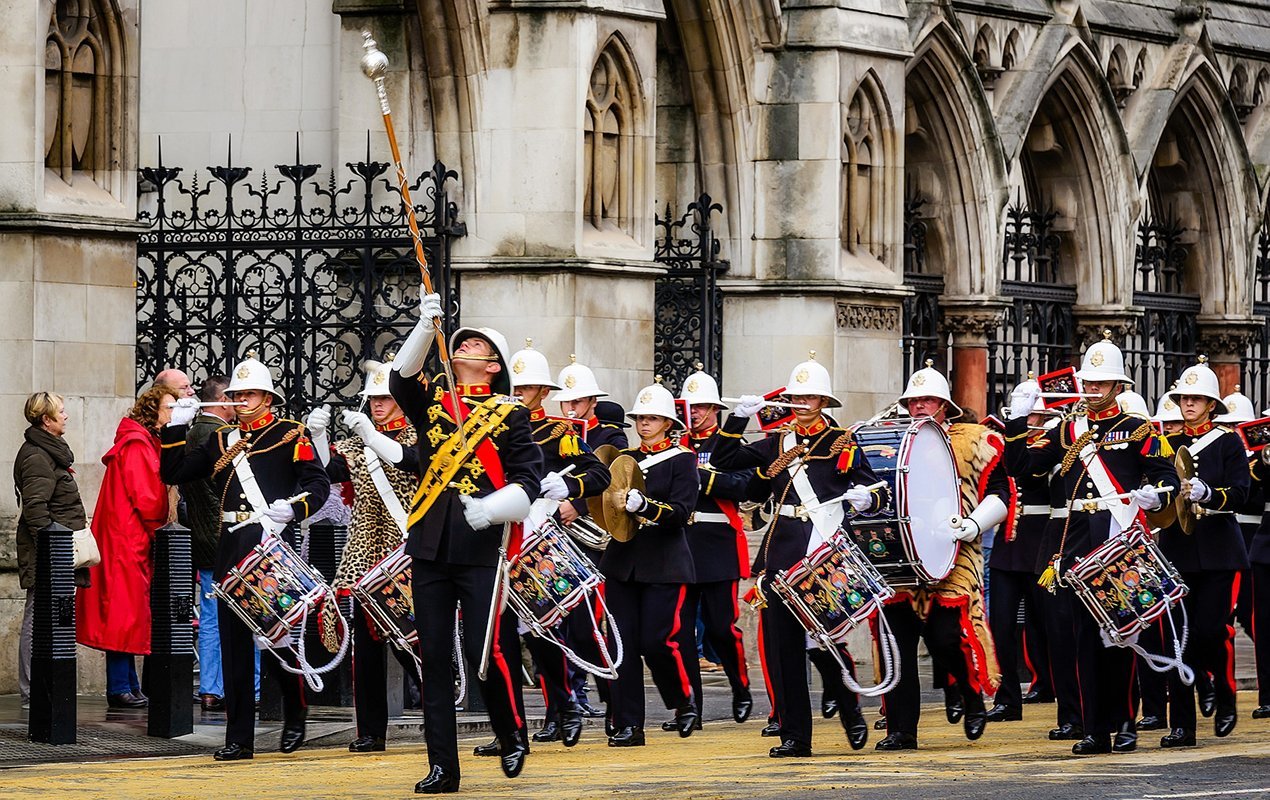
(41, 405)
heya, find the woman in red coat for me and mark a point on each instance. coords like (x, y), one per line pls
(114, 614)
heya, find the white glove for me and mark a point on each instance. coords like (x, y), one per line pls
(748, 405)
(554, 487)
(383, 445)
(318, 421)
(358, 423)
(475, 513)
(965, 531)
(1023, 399)
(280, 511)
(1199, 491)
(860, 498)
(1148, 498)
(430, 307)
(635, 501)
(183, 412)
(414, 351)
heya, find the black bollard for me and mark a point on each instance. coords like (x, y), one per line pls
(171, 663)
(53, 662)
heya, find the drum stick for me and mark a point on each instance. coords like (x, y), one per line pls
(1124, 495)
(254, 518)
(842, 498)
(766, 403)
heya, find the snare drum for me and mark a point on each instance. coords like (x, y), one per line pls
(549, 577)
(908, 539)
(832, 590)
(385, 593)
(1126, 583)
(272, 589)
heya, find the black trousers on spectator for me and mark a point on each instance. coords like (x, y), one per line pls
(1056, 617)
(438, 590)
(1105, 675)
(719, 609)
(1210, 606)
(648, 618)
(941, 630)
(238, 664)
(370, 675)
(1010, 590)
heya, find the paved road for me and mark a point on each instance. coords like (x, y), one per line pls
(722, 761)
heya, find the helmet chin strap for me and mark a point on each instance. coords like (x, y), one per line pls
(1107, 400)
(472, 357)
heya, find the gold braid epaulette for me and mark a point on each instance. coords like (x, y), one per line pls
(1073, 450)
(243, 444)
(783, 460)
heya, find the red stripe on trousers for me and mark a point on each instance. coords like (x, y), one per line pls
(672, 642)
(741, 667)
(496, 653)
(1230, 634)
(762, 664)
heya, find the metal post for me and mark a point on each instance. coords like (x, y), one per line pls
(53, 662)
(171, 666)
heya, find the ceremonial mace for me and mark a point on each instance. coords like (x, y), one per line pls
(375, 66)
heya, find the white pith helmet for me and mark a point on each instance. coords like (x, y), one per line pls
(1134, 403)
(655, 399)
(250, 373)
(500, 383)
(700, 389)
(929, 382)
(1166, 410)
(1238, 408)
(530, 368)
(1200, 380)
(577, 382)
(377, 377)
(1103, 361)
(812, 379)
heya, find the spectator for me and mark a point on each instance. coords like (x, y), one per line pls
(203, 511)
(177, 379)
(114, 614)
(47, 493)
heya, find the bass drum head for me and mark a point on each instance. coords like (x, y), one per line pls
(930, 497)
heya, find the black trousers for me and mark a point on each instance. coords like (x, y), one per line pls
(1153, 687)
(1210, 606)
(238, 664)
(648, 619)
(370, 675)
(719, 610)
(1261, 629)
(438, 590)
(941, 630)
(1010, 590)
(1105, 675)
(1057, 621)
(553, 669)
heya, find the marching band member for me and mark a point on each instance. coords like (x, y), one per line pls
(480, 467)
(646, 577)
(1259, 556)
(720, 555)
(1211, 558)
(949, 615)
(1012, 575)
(254, 467)
(1101, 452)
(808, 462)
(1167, 415)
(1249, 514)
(381, 493)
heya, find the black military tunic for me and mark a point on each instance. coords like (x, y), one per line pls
(1259, 556)
(284, 465)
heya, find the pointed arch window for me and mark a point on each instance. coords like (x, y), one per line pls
(80, 93)
(610, 136)
(864, 157)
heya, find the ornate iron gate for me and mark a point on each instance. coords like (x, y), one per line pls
(689, 306)
(1037, 332)
(314, 275)
(1256, 367)
(1164, 342)
(920, 338)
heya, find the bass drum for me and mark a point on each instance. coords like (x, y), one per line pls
(909, 539)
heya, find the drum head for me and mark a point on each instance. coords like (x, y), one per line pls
(930, 497)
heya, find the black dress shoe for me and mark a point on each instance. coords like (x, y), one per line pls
(687, 720)
(742, 705)
(292, 737)
(570, 725)
(1206, 695)
(669, 725)
(1126, 739)
(438, 782)
(1178, 737)
(879, 724)
(610, 727)
(512, 757)
(1261, 712)
(1224, 721)
(627, 737)
(549, 732)
(1037, 696)
(828, 706)
(211, 702)
(772, 729)
(126, 700)
(588, 710)
(857, 728)
(953, 709)
(1092, 745)
(1151, 722)
(974, 724)
(234, 752)
(897, 741)
(367, 744)
(1066, 732)
(790, 749)
(1004, 713)
(489, 749)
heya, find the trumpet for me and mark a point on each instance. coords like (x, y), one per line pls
(766, 403)
(588, 534)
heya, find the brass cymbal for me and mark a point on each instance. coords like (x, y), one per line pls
(606, 453)
(626, 475)
(1185, 464)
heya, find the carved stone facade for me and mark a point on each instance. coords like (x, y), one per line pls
(852, 316)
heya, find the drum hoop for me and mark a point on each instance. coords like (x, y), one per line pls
(365, 590)
(287, 622)
(901, 500)
(784, 587)
(570, 602)
(1109, 551)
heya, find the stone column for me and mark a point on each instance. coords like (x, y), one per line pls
(1094, 322)
(970, 321)
(1226, 342)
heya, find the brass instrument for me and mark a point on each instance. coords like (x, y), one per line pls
(586, 532)
(1184, 509)
(626, 475)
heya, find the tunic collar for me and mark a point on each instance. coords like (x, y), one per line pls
(664, 444)
(263, 422)
(396, 425)
(1199, 430)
